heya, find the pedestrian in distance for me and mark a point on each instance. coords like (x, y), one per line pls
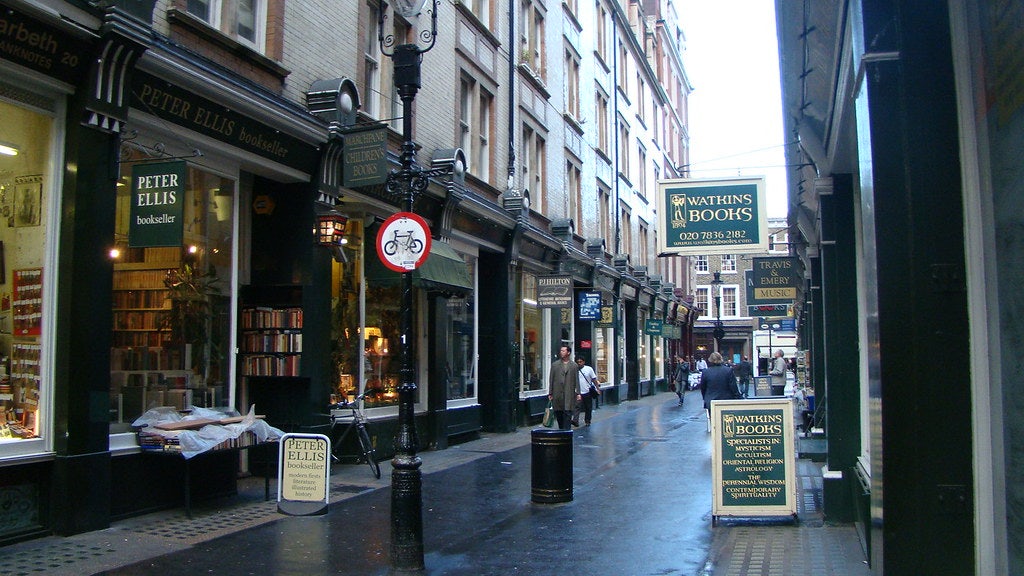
(778, 372)
(588, 383)
(681, 378)
(563, 387)
(702, 364)
(743, 371)
(717, 382)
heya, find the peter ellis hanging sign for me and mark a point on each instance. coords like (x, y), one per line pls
(157, 204)
(723, 216)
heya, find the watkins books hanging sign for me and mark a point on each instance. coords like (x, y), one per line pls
(157, 204)
(722, 216)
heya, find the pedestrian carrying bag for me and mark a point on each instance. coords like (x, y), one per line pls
(549, 416)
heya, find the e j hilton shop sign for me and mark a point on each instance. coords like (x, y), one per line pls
(157, 204)
(722, 216)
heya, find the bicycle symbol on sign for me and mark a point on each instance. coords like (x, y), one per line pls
(407, 242)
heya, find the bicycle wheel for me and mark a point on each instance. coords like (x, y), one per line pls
(368, 452)
(415, 246)
(390, 247)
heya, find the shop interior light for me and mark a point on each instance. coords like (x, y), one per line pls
(8, 149)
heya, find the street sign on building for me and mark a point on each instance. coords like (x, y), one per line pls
(721, 216)
(774, 280)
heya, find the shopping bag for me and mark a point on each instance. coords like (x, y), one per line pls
(549, 416)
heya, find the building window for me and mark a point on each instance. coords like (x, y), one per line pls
(641, 175)
(482, 10)
(574, 191)
(700, 300)
(371, 65)
(700, 264)
(572, 85)
(728, 262)
(623, 69)
(730, 301)
(534, 154)
(627, 233)
(531, 39)
(243, 20)
(603, 134)
(475, 104)
(604, 206)
(641, 98)
(642, 239)
(624, 149)
(602, 30)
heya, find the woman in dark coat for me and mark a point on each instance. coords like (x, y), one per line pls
(718, 382)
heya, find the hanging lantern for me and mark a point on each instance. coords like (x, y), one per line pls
(330, 228)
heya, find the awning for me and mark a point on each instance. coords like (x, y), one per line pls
(444, 270)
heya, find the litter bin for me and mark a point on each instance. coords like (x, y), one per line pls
(551, 466)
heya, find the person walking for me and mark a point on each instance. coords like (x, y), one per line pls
(702, 364)
(778, 373)
(563, 387)
(743, 371)
(681, 378)
(587, 383)
(717, 382)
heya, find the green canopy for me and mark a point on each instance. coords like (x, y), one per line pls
(444, 270)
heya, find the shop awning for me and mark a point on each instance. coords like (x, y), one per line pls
(444, 271)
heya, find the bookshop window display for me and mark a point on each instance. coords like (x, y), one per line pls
(26, 195)
(171, 302)
(365, 325)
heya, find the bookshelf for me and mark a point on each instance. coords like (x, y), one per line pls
(270, 341)
(140, 299)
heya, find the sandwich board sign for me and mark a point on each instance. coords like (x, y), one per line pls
(753, 457)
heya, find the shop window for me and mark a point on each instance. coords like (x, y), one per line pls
(26, 194)
(460, 367)
(643, 348)
(530, 325)
(171, 333)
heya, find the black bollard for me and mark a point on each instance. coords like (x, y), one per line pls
(551, 466)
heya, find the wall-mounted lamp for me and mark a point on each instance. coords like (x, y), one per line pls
(330, 228)
(8, 149)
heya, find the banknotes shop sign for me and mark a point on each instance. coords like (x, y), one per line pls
(722, 216)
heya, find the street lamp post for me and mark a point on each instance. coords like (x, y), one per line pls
(770, 328)
(406, 182)
(719, 332)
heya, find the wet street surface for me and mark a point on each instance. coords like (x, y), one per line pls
(641, 505)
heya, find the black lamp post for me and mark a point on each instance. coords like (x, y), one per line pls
(770, 328)
(407, 181)
(719, 332)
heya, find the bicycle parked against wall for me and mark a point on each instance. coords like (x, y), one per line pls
(356, 421)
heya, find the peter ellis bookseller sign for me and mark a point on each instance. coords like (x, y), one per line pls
(722, 216)
(157, 204)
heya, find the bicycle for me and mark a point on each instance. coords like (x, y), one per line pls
(357, 421)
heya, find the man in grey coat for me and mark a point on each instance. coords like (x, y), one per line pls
(563, 387)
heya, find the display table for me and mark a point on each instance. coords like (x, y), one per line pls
(163, 433)
(236, 448)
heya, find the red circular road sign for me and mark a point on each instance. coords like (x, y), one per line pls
(403, 242)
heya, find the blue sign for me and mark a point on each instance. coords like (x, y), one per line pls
(589, 305)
